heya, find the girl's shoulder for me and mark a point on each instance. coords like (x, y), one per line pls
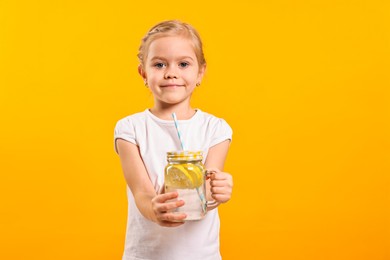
(211, 119)
(128, 124)
(216, 128)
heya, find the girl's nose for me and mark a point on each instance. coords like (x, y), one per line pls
(170, 74)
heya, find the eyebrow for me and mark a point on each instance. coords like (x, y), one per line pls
(180, 58)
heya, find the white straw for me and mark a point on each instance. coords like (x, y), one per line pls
(178, 131)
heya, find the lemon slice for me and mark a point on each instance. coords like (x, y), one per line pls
(184, 176)
(178, 177)
(196, 174)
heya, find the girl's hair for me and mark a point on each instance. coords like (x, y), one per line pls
(171, 28)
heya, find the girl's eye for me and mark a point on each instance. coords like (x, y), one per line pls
(184, 64)
(159, 65)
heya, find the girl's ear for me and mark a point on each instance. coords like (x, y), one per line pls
(202, 71)
(141, 72)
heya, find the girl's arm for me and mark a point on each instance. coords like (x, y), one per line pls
(220, 184)
(151, 205)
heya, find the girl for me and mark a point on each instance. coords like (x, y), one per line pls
(172, 64)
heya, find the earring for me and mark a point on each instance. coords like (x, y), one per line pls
(146, 83)
(198, 84)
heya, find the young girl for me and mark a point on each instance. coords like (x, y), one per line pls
(172, 65)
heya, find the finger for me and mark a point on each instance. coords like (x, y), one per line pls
(212, 170)
(221, 190)
(220, 176)
(166, 196)
(218, 183)
(222, 183)
(175, 216)
(221, 197)
(172, 217)
(164, 207)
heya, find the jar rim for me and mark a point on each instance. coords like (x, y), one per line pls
(185, 155)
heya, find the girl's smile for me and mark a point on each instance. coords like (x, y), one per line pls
(171, 86)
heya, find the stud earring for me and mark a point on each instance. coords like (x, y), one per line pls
(198, 84)
(146, 83)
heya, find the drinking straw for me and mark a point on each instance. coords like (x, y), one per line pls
(201, 196)
(178, 131)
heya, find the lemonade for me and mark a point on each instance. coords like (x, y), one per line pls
(185, 174)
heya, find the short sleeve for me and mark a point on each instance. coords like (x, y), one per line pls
(124, 129)
(222, 132)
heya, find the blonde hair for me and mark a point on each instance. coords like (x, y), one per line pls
(172, 28)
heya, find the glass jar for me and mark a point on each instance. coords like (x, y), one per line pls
(185, 174)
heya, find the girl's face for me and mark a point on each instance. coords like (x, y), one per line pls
(171, 69)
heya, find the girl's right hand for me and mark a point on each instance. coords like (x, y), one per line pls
(161, 207)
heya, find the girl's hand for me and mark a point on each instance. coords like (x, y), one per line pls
(161, 210)
(221, 185)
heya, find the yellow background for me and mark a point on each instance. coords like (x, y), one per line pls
(304, 85)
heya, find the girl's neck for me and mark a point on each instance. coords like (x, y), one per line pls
(183, 112)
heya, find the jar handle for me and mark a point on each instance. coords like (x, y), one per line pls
(211, 203)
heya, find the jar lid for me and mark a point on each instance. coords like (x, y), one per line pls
(185, 155)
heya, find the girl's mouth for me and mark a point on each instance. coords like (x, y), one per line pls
(171, 86)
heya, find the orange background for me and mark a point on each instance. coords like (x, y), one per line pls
(304, 85)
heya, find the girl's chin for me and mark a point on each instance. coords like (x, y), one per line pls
(173, 101)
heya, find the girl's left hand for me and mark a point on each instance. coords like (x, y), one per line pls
(221, 185)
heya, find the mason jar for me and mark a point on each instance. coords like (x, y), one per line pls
(185, 174)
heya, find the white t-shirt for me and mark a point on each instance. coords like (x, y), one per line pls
(155, 137)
